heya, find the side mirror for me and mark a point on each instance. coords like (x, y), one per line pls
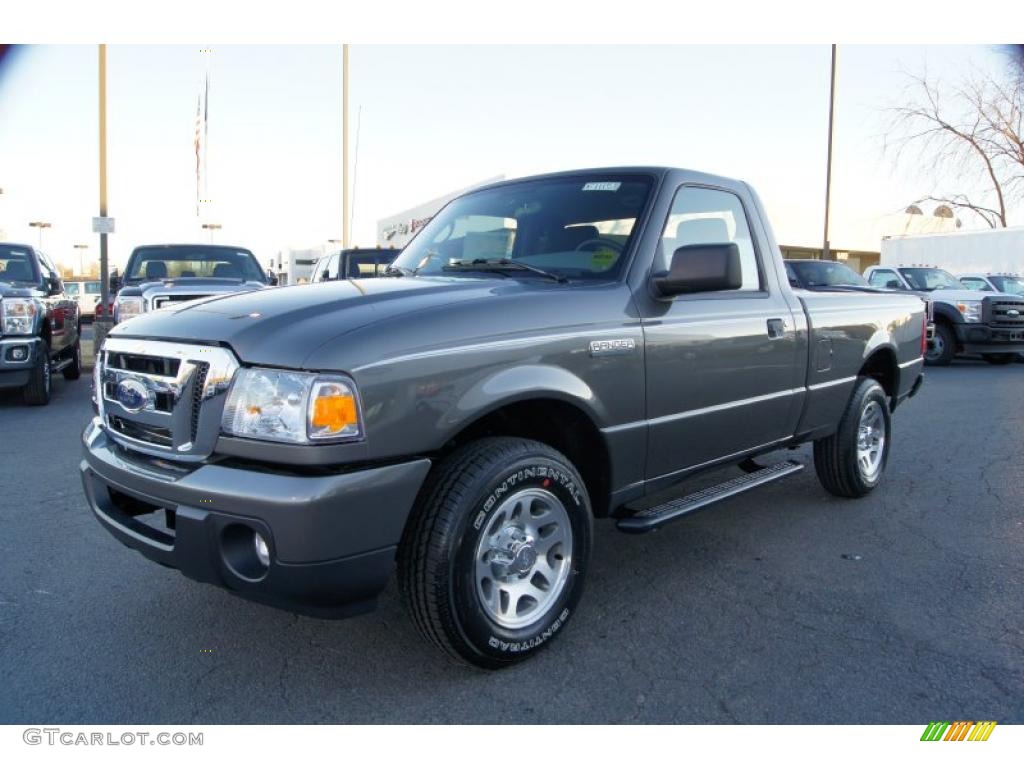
(115, 283)
(271, 278)
(893, 284)
(54, 286)
(701, 268)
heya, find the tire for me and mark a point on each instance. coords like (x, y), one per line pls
(1001, 358)
(40, 380)
(74, 371)
(477, 541)
(943, 348)
(846, 465)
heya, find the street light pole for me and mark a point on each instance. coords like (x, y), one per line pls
(826, 252)
(100, 328)
(344, 146)
(80, 247)
(40, 225)
(212, 228)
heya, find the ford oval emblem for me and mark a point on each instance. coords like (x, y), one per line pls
(1013, 313)
(132, 395)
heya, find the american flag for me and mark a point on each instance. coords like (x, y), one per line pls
(202, 114)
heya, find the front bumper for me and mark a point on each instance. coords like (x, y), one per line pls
(331, 538)
(15, 373)
(981, 339)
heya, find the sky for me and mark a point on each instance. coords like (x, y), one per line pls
(430, 119)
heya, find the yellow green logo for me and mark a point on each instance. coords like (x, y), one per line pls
(959, 730)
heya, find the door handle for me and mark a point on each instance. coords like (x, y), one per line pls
(776, 328)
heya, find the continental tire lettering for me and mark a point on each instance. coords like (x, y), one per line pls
(528, 473)
(521, 646)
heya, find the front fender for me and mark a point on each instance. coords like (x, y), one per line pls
(510, 385)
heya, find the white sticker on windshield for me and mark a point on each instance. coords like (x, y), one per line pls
(602, 186)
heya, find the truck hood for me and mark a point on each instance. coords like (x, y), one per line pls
(283, 326)
(953, 295)
(188, 285)
(16, 291)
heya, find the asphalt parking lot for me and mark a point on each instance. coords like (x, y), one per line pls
(783, 606)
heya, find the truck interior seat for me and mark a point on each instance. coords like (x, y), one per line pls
(156, 270)
(226, 270)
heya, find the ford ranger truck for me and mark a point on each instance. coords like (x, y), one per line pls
(551, 350)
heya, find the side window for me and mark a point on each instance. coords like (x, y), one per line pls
(46, 268)
(880, 278)
(975, 284)
(794, 281)
(700, 216)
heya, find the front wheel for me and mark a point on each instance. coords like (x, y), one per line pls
(492, 566)
(37, 391)
(850, 463)
(943, 347)
(1001, 358)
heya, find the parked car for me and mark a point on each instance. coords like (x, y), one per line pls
(39, 324)
(966, 321)
(821, 275)
(160, 276)
(87, 294)
(1012, 284)
(558, 348)
(353, 263)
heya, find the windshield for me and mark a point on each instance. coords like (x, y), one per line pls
(183, 261)
(1009, 284)
(930, 279)
(815, 274)
(17, 265)
(571, 227)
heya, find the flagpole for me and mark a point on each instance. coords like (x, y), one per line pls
(344, 147)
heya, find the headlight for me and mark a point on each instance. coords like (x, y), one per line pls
(97, 384)
(971, 310)
(19, 316)
(292, 407)
(128, 307)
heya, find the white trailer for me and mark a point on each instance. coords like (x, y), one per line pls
(987, 251)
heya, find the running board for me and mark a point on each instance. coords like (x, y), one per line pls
(655, 517)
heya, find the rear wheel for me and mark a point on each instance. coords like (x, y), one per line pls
(37, 391)
(1001, 358)
(492, 566)
(943, 346)
(850, 463)
(74, 369)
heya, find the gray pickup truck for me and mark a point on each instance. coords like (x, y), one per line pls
(549, 351)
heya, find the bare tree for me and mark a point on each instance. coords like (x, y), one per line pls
(968, 139)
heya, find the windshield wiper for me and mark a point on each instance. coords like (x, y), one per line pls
(499, 265)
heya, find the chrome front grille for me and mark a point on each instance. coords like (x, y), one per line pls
(166, 300)
(163, 398)
(1005, 313)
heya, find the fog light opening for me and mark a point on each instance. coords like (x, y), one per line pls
(262, 550)
(246, 552)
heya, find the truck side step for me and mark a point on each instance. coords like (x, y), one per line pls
(653, 518)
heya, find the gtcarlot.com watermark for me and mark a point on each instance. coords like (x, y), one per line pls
(70, 738)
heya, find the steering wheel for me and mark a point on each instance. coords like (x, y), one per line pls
(599, 241)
